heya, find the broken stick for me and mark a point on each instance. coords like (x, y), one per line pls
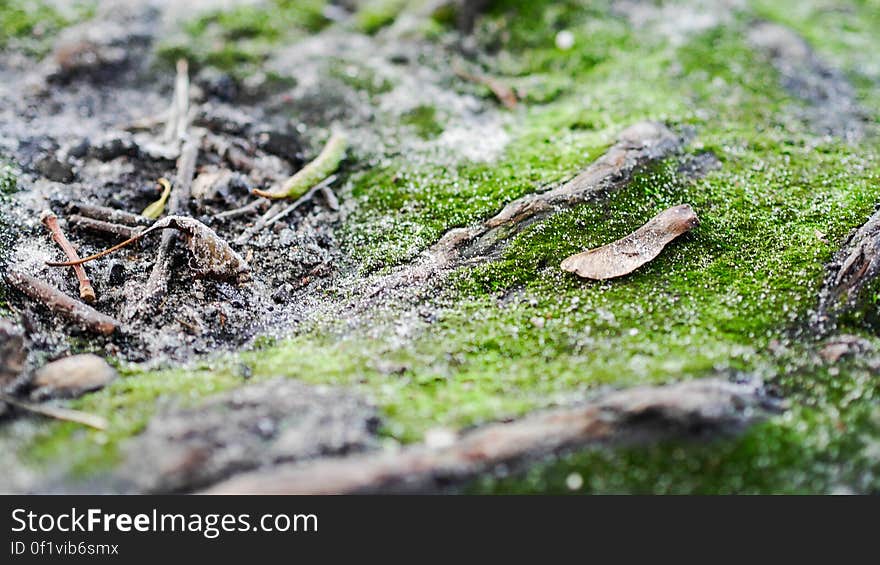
(178, 114)
(277, 212)
(111, 215)
(101, 226)
(57, 301)
(50, 220)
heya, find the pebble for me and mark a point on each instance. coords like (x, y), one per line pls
(72, 376)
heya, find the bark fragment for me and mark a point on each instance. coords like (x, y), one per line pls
(854, 266)
(634, 250)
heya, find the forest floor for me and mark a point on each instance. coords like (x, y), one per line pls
(407, 326)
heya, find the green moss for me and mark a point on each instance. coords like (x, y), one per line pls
(827, 442)
(239, 39)
(424, 120)
(359, 77)
(373, 15)
(127, 404)
(30, 24)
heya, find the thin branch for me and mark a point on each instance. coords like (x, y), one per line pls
(502, 92)
(57, 301)
(107, 214)
(243, 210)
(50, 220)
(100, 226)
(276, 212)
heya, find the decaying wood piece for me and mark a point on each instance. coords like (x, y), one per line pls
(84, 418)
(83, 314)
(855, 265)
(634, 250)
(211, 257)
(50, 220)
(324, 165)
(634, 415)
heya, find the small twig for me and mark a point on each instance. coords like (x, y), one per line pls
(243, 210)
(300, 201)
(82, 222)
(277, 212)
(50, 220)
(502, 92)
(112, 215)
(178, 114)
(258, 226)
(330, 198)
(157, 283)
(65, 414)
(57, 301)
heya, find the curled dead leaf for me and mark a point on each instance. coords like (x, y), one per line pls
(634, 250)
(211, 257)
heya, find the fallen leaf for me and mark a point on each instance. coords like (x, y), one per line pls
(324, 165)
(155, 209)
(212, 257)
(634, 250)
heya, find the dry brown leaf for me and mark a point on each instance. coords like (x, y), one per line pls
(212, 257)
(634, 250)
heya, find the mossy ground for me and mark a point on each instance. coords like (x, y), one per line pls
(31, 24)
(518, 333)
